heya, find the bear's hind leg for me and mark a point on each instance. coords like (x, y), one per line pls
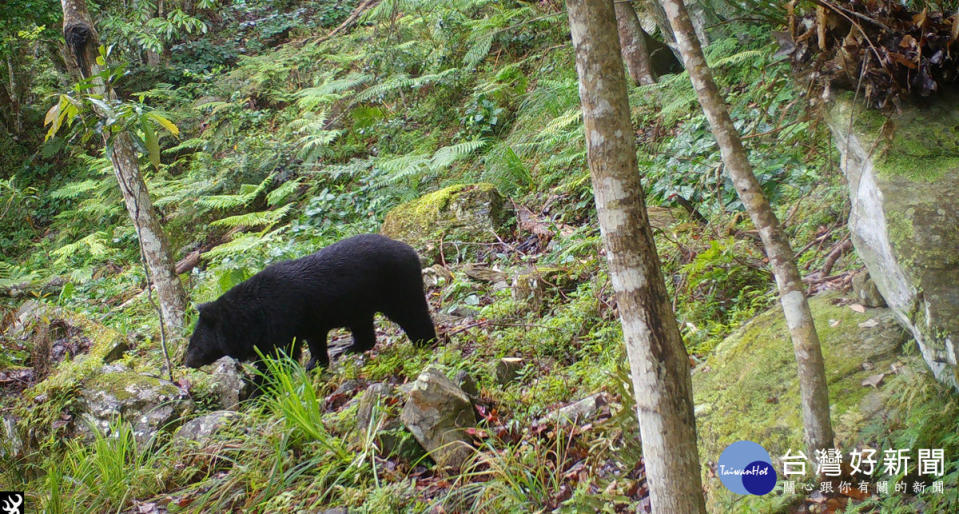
(364, 335)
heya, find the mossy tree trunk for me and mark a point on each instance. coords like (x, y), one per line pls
(792, 296)
(659, 365)
(632, 39)
(82, 42)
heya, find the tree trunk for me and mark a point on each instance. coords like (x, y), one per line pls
(632, 39)
(659, 365)
(81, 38)
(812, 375)
(14, 90)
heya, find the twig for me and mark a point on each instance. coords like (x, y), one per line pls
(834, 254)
(347, 23)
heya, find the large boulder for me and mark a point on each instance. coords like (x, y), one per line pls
(456, 222)
(748, 389)
(437, 414)
(148, 403)
(903, 176)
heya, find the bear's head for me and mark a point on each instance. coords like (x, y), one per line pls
(205, 347)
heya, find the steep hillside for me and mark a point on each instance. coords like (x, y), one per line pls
(301, 123)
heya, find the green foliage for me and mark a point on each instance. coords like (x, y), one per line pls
(725, 285)
(105, 475)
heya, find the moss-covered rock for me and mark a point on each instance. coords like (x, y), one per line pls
(77, 388)
(903, 174)
(148, 403)
(748, 389)
(456, 222)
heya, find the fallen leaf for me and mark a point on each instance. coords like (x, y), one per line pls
(869, 323)
(858, 308)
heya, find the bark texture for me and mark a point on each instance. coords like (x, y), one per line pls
(658, 361)
(632, 39)
(812, 375)
(81, 38)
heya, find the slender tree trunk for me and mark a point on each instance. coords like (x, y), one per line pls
(658, 361)
(812, 375)
(153, 58)
(81, 38)
(15, 95)
(632, 39)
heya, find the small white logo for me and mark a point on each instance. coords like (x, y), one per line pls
(11, 503)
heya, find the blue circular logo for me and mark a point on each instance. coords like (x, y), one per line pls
(745, 468)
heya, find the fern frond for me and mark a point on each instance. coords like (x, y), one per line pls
(560, 123)
(404, 165)
(189, 144)
(95, 244)
(478, 50)
(76, 189)
(254, 219)
(449, 154)
(237, 246)
(278, 195)
(400, 81)
(248, 193)
(737, 58)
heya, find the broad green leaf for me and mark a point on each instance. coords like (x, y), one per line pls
(151, 142)
(52, 114)
(165, 123)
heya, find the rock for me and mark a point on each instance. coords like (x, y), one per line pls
(70, 334)
(866, 291)
(507, 369)
(436, 275)
(117, 350)
(11, 445)
(578, 412)
(903, 176)
(390, 436)
(436, 413)
(149, 404)
(528, 286)
(229, 382)
(752, 391)
(457, 222)
(465, 382)
(374, 393)
(202, 428)
(483, 273)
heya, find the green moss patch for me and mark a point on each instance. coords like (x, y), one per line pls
(749, 388)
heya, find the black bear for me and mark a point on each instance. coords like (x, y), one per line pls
(342, 285)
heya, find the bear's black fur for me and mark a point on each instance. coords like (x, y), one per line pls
(342, 285)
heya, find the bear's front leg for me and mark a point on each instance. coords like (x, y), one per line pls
(318, 351)
(364, 335)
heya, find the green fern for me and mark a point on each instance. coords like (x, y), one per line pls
(330, 91)
(254, 219)
(95, 245)
(381, 90)
(315, 137)
(450, 154)
(240, 245)
(280, 194)
(247, 194)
